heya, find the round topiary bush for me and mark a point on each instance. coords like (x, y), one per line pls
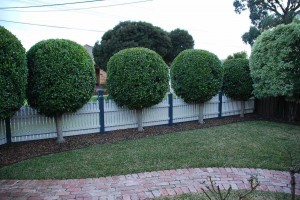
(137, 78)
(237, 82)
(13, 74)
(61, 78)
(196, 76)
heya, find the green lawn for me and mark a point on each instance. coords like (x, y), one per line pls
(234, 196)
(253, 144)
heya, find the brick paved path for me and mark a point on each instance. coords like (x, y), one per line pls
(145, 185)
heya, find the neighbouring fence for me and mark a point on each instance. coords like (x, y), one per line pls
(278, 107)
(105, 115)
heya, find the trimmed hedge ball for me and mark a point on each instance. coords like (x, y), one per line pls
(196, 75)
(137, 78)
(61, 76)
(237, 82)
(13, 74)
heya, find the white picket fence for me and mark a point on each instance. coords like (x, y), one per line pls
(27, 124)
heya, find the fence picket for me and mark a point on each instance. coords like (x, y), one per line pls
(28, 124)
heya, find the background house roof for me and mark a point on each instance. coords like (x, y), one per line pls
(89, 50)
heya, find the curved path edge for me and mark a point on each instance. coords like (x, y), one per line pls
(146, 185)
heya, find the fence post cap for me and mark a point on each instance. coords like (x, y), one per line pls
(100, 92)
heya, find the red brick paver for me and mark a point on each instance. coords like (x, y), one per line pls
(146, 185)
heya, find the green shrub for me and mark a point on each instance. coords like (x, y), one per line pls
(61, 77)
(137, 78)
(237, 82)
(13, 74)
(196, 76)
(275, 63)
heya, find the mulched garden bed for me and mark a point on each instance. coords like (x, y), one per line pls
(19, 151)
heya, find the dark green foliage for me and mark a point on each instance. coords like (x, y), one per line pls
(242, 54)
(237, 82)
(275, 63)
(61, 76)
(196, 75)
(137, 78)
(181, 40)
(130, 34)
(250, 36)
(266, 14)
(13, 74)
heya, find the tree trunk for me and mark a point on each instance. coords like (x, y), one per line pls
(139, 113)
(200, 119)
(242, 108)
(58, 124)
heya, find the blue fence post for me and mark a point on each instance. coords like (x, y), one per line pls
(220, 104)
(8, 130)
(101, 108)
(170, 97)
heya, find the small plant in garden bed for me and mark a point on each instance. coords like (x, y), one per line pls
(256, 195)
(216, 194)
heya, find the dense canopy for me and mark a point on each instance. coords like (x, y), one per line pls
(127, 35)
(13, 74)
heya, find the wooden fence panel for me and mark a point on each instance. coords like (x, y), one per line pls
(277, 107)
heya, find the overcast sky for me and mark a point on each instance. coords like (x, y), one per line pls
(213, 23)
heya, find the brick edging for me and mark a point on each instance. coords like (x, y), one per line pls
(146, 185)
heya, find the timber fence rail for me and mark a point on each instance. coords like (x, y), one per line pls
(104, 115)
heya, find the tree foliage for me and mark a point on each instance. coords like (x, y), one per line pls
(275, 63)
(61, 78)
(266, 14)
(137, 78)
(181, 40)
(242, 54)
(237, 82)
(130, 34)
(13, 74)
(196, 75)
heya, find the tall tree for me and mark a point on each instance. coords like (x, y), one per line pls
(181, 40)
(266, 14)
(61, 79)
(130, 34)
